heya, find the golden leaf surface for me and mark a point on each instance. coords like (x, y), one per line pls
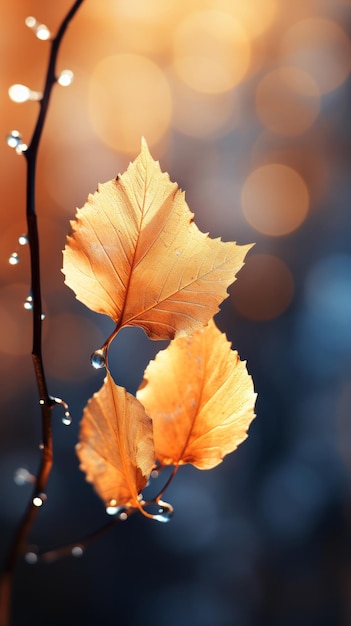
(136, 255)
(115, 447)
(200, 398)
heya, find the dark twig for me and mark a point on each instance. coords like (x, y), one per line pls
(46, 402)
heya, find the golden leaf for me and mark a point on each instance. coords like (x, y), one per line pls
(200, 398)
(136, 255)
(115, 446)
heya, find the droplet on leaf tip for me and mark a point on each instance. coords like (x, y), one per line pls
(14, 258)
(98, 359)
(67, 419)
(113, 509)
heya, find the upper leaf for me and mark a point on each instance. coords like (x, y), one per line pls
(200, 398)
(115, 447)
(136, 255)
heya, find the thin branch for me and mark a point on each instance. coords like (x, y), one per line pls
(46, 402)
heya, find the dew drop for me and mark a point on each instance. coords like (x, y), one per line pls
(165, 512)
(28, 305)
(98, 359)
(22, 476)
(113, 509)
(66, 78)
(42, 32)
(22, 147)
(41, 446)
(19, 93)
(30, 21)
(39, 499)
(14, 258)
(77, 551)
(42, 316)
(41, 401)
(67, 419)
(155, 473)
(23, 240)
(14, 139)
(31, 558)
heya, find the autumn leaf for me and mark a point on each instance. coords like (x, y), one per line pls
(200, 398)
(115, 447)
(136, 255)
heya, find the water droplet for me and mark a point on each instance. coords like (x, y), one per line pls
(22, 476)
(66, 78)
(42, 32)
(19, 93)
(14, 258)
(42, 317)
(14, 139)
(22, 147)
(39, 499)
(28, 305)
(67, 419)
(41, 446)
(98, 359)
(41, 401)
(31, 558)
(23, 240)
(113, 509)
(77, 551)
(165, 512)
(30, 21)
(155, 473)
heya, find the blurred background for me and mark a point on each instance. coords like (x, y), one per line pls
(246, 103)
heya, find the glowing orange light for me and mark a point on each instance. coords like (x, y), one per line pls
(202, 115)
(287, 101)
(265, 290)
(275, 199)
(211, 51)
(256, 15)
(322, 48)
(129, 97)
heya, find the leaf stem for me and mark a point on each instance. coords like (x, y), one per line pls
(46, 402)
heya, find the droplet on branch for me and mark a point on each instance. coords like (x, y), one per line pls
(65, 78)
(14, 258)
(41, 31)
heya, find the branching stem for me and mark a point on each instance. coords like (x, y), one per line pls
(46, 402)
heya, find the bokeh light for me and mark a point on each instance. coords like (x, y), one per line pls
(203, 115)
(129, 98)
(275, 199)
(322, 48)
(287, 100)
(211, 51)
(265, 288)
(245, 104)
